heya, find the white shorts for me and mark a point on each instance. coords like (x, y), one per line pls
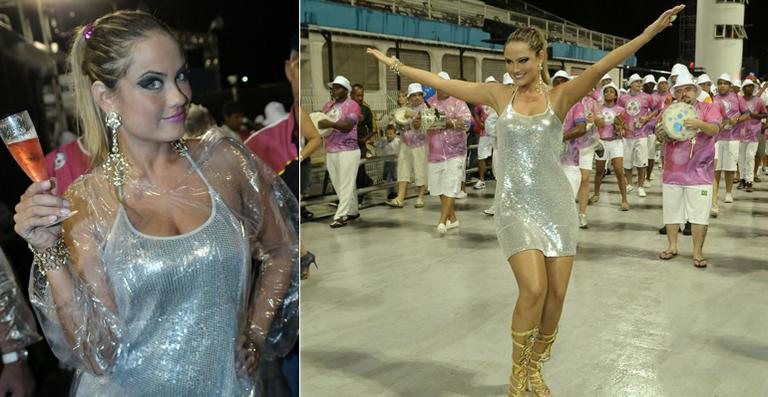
(412, 165)
(573, 173)
(635, 152)
(484, 147)
(727, 155)
(686, 203)
(651, 147)
(586, 158)
(612, 149)
(445, 177)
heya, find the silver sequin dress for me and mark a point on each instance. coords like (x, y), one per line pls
(535, 209)
(179, 297)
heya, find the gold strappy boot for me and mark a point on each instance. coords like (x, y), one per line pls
(519, 377)
(535, 378)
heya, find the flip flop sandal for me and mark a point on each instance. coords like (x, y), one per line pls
(667, 255)
(700, 263)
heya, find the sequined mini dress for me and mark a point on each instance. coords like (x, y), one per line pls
(534, 202)
(180, 299)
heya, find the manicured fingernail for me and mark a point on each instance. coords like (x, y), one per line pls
(46, 184)
(64, 211)
(52, 218)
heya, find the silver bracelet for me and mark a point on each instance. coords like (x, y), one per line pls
(52, 258)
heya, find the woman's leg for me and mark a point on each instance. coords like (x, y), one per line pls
(599, 174)
(584, 191)
(531, 275)
(558, 275)
(618, 165)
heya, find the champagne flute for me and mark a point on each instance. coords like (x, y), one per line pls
(20, 137)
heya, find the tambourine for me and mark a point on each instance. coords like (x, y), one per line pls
(404, 116)
(432, 119)
(673, 121)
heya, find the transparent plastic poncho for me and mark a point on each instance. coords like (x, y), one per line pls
(17, 324)
(144, 313)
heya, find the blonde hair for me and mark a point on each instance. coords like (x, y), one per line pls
(536, 41)
(104, 56)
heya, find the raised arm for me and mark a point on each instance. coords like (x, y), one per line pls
(482, 93)
(309, 132)
(566, 94)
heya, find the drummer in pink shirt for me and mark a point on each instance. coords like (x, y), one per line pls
(688, 173)
(750, 134)
(447, 155)
(732, 107)
(640, 110)
(610, 128)
(342, 150)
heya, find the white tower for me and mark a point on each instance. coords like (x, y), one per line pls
(719, 36)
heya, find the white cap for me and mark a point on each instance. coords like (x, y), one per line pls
(611, 85)
(607, 77)
(725, 77)
(414, 88)
(444, 75)
(684, 80)
(490, 79)
(704, 78)
(622, 91)
(507, 79)
(342, 81)
(737, 83)
(273, 112)
(634, 77)
(662, 79)
(259, 119)
(747, 82)
(649, 79)
(563, 74)
(678, 69)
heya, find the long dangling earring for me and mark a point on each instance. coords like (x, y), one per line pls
(539, 87)
(115, 164)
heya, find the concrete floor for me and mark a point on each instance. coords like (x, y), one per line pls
(395, 310)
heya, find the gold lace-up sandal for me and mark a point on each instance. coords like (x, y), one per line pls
(535, 378)
(518, 380)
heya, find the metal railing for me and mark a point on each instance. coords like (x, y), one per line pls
(474, 13)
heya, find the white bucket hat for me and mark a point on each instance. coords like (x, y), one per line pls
(725, 77)
(611, 85)
(704, 78)
(684, 80)
(748, 82)
(678, 69)
(414, 88)
(662, 79)
(607, 77)
(563, 74)
(634, 77)
(342, 81)
(490, 79)
(444, 75)
(737, 83)
(273, 112)
(649, 79)
(507, 79)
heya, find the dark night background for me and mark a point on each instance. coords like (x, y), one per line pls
(628, 19)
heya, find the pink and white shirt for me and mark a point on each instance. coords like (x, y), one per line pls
(589, 139)
(750, 130)
(575, 115)
(608, 114)
(636, 106)
(339, 141)
(686, 168)
(731, 105)
(448, 143)
(414, 138)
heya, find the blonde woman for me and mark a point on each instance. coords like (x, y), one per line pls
(536, 222)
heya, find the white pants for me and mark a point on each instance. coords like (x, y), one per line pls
(727, 155)
(747, 152)
(651, 147)
(412, 164)
(686, 203)
(342, 168)
(485, 147)
(635, 152)
(446, 176)
(573, 173)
